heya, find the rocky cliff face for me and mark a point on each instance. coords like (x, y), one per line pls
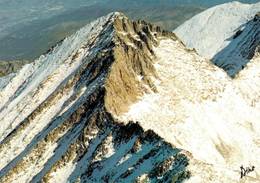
(57, 114)
(133, 70)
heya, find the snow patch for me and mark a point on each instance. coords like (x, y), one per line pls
(62, 174)
(199, 109)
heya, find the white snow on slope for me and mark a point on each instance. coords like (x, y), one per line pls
(197, 107)
(37, 81)
(248, 82)
(33, 85)
(209, 31)
(62, 174)
(200, 109)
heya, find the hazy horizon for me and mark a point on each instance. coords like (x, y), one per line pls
(30, 27)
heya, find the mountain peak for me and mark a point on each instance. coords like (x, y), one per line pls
(211, 33)
(58, 113)
(125, 101)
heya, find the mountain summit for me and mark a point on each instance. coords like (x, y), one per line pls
(56, 114)
(228, 34)
(125, 101)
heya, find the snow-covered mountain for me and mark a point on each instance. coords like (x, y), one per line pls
(227, 33)
(56, 114)
(125, 101)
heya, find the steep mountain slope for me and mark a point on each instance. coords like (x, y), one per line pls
(123, 101)
(56, 114)
(200, 109)
(225, 34)
(241, 48)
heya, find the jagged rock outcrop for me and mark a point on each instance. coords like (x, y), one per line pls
(133, 70)
(58, 114)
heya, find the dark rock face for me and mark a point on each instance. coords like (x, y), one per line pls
(257, 17)
(84, 133)
(242, 48)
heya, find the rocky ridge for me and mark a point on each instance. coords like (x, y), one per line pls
(123, 101)
(57, 113)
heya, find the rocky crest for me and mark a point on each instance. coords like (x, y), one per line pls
(124, 101)
(134, 55)
(58, 113)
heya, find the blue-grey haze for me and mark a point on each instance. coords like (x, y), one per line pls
(30, 27)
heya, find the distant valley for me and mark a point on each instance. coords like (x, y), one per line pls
(34, 38)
